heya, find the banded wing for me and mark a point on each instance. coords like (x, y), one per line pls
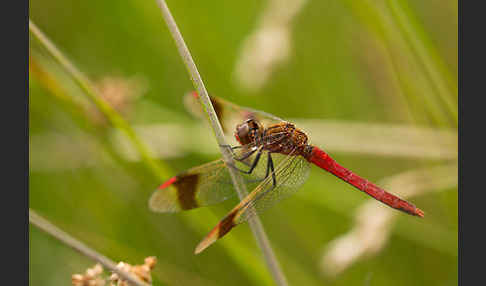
(290, 174)
(206, 184)
(229, 114)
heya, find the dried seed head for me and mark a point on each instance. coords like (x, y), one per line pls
(92, 277)
(150, 261)
(141, 271)
(120, 93)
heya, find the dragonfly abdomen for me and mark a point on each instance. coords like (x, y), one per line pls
(324, 161)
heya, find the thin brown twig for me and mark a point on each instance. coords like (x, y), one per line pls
(255, 223)
(77, 245)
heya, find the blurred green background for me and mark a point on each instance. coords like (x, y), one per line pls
(384, 66)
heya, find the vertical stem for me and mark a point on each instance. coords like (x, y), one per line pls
(255, 223)
(155, 170)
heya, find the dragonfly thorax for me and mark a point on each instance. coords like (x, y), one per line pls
(281, 137)
(284, 138)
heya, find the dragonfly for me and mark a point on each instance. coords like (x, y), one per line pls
(273, 157)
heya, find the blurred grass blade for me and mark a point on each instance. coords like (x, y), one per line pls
(268, 46)
(255, 223)
(421, 83)
(116, 120)
(54, 154)
(387, 140)
(75, 244)
(391, 140)
(425, 52)
(373, 222)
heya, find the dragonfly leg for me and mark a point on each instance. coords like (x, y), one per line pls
(270, 167)
(267, 172)
(253, 164)
(248, 154)
(230, 147)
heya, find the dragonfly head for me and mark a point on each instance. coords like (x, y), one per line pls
(247, 131)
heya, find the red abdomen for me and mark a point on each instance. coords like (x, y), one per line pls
(324, 161)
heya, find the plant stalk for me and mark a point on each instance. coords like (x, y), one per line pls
(255, 223)
(111, 114)
(77, 245)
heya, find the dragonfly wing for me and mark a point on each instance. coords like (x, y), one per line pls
(182, 191)
(290, 174)
(289, 178)
(229, 114)
(205, 184)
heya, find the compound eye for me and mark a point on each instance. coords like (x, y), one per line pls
(242, 133)
(253, 124)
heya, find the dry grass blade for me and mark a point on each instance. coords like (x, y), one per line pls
(237, 249)
(255, 223)
(408, 141)
(427, 55)
(373, 222)
(269, 45)
(75, 244)
(388, 140)
(111, 114)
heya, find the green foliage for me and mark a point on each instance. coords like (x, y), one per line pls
(360, 61)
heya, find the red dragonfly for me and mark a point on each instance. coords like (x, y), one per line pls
(273, 156)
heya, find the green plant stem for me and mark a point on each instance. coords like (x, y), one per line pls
(78, 112)
(239, 252)
(114, 118)
(390, 33)
(77, 245)
(255, 223)
(426, 55)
